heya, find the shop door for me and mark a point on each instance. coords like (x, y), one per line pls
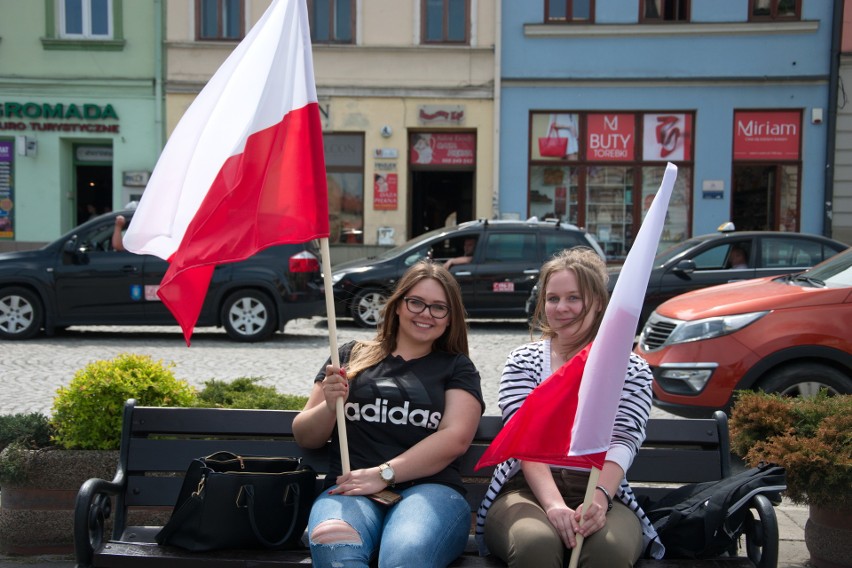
(765, 198)
(93, 191)
(436, 195)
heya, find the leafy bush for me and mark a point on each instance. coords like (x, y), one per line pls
(245, 392)
(32, 430)
(87, 414)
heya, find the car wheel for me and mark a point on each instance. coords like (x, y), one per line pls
(806, 379)
(248, 315)
(20, 313)
(367, 307)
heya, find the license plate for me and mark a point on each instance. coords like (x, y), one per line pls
(503, 287)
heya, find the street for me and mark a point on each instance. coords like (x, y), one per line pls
(32, 370)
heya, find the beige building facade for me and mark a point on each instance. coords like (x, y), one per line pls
(408, 113)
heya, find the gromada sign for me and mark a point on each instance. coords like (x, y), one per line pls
(58, 117)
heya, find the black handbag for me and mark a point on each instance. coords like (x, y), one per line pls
(231, 501)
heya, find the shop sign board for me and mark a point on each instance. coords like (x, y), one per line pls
(610, 137)
(443, 149)
(7, 197)
(767, 135)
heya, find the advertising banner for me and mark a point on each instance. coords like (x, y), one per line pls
(667, 137)
(7, 196)
(610, 137)
(385, 192)
(443, 149)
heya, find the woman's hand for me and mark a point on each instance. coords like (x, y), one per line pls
(564, 520)
(359, 482)
(593, 521)
(334, 386)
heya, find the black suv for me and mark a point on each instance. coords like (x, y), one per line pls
(80, 279)
(497, 265)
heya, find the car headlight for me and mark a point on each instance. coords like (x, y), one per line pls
(337, 277)
(699, 330)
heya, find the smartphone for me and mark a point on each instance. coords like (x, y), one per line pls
(386, 497)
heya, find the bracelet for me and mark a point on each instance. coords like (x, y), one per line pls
(603, 490)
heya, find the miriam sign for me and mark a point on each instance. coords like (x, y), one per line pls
(767, 135)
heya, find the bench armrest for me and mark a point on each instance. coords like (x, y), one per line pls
(761, 532)
(92, 508)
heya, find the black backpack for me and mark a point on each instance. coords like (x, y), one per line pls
(704, 520)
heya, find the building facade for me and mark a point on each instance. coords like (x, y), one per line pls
(596, 98)
(81, 121)
(406, 92)
(839, 206)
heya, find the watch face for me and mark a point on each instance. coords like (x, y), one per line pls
(387, 474)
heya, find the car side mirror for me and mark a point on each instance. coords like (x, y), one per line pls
(76, 252)
(686, 266)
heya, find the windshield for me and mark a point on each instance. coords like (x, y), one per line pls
(836, 272)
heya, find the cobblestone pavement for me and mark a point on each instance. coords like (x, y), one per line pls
(31, 371)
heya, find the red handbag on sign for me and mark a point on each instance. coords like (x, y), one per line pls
(552, 146)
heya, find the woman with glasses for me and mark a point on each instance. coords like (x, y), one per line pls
(412, 403)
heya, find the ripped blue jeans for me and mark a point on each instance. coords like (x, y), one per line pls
(429, 527)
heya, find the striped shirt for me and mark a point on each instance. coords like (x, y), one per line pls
(526, 368)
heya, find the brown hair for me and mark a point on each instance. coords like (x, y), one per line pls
(590, 270)
(454, 339)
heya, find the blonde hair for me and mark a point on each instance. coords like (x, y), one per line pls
(365, 354)
(590, 271)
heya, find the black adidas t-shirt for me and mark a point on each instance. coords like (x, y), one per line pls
(395, 404)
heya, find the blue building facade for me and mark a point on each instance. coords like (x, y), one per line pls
(595, 102)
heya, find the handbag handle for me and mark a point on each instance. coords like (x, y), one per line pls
(291, 488)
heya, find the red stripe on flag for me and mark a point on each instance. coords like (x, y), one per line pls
(274, 192)
(540, 430)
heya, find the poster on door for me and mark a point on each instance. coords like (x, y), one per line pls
(610, 137)
(7, 197)
(767, 135)
(385, 192)
(667, 137)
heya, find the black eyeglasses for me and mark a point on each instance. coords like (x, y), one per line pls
(415, 306)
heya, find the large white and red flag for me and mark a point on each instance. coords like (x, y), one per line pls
(568, 418)
(243, 169)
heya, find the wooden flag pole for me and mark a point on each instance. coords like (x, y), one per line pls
(335, 356)
(594, 475)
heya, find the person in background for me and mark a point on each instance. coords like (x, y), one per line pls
(532, 511)
(412, 404)
(467, 254)
(738, 259)
(118, 233)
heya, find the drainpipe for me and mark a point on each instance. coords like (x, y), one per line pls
(159, 129)
(831, 130)
(495, 174)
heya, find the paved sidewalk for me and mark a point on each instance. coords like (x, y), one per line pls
(792, 551)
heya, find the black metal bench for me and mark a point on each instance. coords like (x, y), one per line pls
(158, 443)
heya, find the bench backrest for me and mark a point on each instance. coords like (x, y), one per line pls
(158, 444)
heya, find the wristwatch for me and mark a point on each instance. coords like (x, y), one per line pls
(387, 474)
(603, 490)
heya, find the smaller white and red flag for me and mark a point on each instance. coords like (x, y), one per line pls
(244, 168)
(568, 419)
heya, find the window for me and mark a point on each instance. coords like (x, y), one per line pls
(563, 11)
(332, 21)
(775, 9)
(445, 21)
(85, 19)
(656, 11)
(344, 165)
(219, 19)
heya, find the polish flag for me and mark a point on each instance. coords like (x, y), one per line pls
(244, 168)
(568, 419)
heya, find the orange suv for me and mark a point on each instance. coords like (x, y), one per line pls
(789, 334)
